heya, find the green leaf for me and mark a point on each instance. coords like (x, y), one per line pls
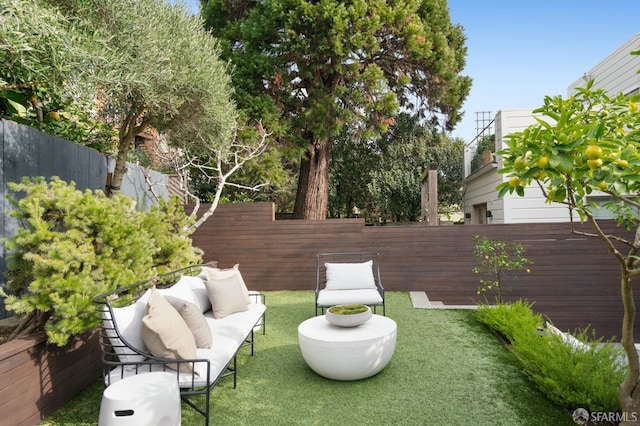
(562, 162)
(620, 187)
(597, 131)
(503, 189)
(19, 108)
(560, 195)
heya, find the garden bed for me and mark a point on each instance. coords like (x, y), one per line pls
(37, 378)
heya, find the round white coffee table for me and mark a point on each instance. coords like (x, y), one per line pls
(347, 353)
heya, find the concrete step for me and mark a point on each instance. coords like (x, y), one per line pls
(420, 300)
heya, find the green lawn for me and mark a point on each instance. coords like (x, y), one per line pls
(448, 369)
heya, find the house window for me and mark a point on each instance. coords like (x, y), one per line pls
(603, 213)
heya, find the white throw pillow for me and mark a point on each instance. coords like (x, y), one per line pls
(165, 332)
(226, 296)
(349, 276)
(200, 293)
(129, 322)
(181, 290)
(217, 273)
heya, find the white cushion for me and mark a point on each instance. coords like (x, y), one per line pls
(129, 322)
(349, 276)
(346, 297)
(199, 292)
(181, 290)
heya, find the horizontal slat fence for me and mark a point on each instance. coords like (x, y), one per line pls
(574, 280)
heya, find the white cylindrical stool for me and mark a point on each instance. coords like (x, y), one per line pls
(143, 399)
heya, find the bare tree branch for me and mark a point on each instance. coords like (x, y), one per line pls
(240, 154)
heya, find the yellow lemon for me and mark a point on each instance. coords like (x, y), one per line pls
(520, 163)
(593, 152)
(543, 162)
(594, 164)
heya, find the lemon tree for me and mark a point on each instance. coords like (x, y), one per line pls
(588, 142)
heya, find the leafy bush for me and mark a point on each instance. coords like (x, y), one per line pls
(572, 376)
(73, 245)
(167, 225)
(497, 257)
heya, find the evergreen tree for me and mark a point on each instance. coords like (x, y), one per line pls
(310, 68)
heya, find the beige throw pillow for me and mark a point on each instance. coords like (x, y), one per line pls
(226, 295)
(217, 273)
(194, 319)
(165, 333)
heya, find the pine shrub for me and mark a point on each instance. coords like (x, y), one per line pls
(510, 319)
(585, 374)
(71, 246)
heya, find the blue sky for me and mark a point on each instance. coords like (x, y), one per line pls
(521, 51)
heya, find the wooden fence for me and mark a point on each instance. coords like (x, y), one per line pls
(574, 280)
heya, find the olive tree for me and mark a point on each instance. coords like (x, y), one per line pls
(581, 146)
(43, 61)
(32, 37)
(155, 66)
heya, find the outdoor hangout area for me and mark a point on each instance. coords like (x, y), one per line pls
(262, 346)
(447, 368)
(272, 357)
(274, 213)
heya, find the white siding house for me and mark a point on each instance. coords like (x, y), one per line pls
(481, 202)
(616, 73)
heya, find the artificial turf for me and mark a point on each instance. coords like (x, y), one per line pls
(447, 369)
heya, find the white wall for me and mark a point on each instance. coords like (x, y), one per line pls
(532, 207)
(134, 184)
(480, 187)
(617, 73)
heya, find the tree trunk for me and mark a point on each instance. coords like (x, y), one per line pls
(126, 134)
(121, 168)
(629, 392)
(312, 196)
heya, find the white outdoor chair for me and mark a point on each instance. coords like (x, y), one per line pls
(347, 278)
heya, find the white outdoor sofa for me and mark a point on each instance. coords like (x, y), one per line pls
(124, 311)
